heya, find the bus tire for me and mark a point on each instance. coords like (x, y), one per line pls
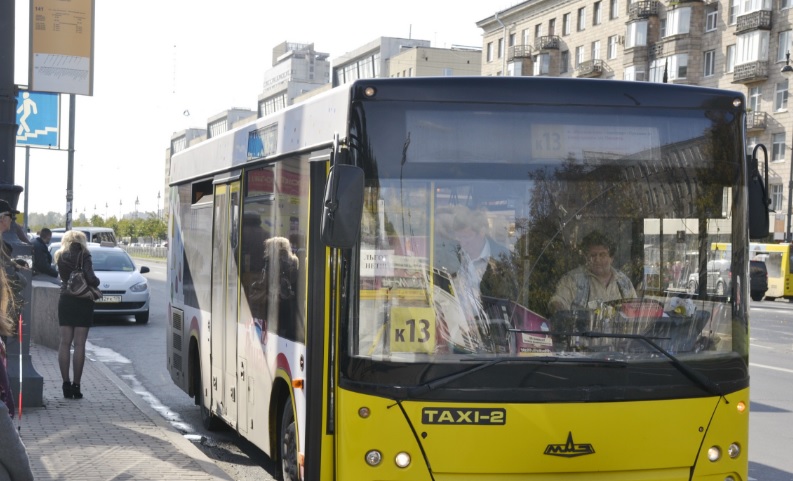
(208, 420)
(288, 444)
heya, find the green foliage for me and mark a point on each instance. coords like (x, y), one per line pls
(146, 225)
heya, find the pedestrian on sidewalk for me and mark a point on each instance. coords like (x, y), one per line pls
(42, 260)
(14, 461)
(75, 315)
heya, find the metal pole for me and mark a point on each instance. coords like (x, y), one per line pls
(27, 188)
(788, 237)
(70, 168)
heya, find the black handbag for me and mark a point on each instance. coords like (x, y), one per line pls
(78, 287)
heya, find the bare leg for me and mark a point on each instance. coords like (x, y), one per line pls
(64, 351)
(80, 337)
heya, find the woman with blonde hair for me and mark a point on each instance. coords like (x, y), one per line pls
(75, 315)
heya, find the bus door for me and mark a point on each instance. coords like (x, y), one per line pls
(223, 328)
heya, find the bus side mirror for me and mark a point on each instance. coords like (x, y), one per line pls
(758, 198)
(342, 207)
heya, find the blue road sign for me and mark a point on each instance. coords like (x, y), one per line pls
(38, 119)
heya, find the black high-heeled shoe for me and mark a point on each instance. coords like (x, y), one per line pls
(67, 390)
(76, 394)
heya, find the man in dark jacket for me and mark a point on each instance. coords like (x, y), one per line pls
(42, 259)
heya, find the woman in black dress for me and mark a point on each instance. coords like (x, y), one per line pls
(75, 315)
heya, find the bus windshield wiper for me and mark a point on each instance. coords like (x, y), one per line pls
(694, 375)
(436, 383)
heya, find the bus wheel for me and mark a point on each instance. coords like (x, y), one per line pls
(288, 445)
(208, 420)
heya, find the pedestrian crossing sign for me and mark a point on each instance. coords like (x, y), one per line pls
(38, 119)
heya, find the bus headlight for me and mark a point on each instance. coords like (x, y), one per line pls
(373, 457)
(402, 460)
(734, 450)
(714, 454)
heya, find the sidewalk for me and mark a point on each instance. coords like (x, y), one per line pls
(110, 434)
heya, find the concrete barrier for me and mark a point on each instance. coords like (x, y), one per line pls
(44, 327)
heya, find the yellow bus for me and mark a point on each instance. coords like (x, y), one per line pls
(780, 268)
(360, 284)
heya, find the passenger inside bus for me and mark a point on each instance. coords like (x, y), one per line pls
(595, 282)
(464, 247)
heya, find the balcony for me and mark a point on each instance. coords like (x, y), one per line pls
(750, 72)
(756, 120)
(643, 9)
(760, 20)
(589, 69)
(518, 51)
(547, 42)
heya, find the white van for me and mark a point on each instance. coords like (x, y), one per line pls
(92, 234)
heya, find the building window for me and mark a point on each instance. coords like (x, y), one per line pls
(596, 14)
(710, 63)
(526, 38)
(579, 56)
(489, 54)
(783, 4)
(552, 26)
(581, 19)
(735, 6)
(511, 41)
(780, 99)
(538, 30)
(778, 142)
(614, 6)
(612, 47)
(566, 24)
(678, 21)
(636, 34)
(595, 50)
(777, 190)
(542, 64)
(784, 45)
(754, 98)
(500, 47)
(752, 47)
(729, 58)
(676, 67)
(634, 74)
(565, 61)
(710, 20)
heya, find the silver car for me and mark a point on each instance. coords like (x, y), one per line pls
(125, 292)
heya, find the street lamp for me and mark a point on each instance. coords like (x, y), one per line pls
(788, 238)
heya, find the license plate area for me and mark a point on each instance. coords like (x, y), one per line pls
(109, 299)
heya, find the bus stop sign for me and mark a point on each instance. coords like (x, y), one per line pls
(38, 119)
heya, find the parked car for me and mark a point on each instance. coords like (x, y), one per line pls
(92, 234)
(125, 292)
(719, 278)
(758, 280)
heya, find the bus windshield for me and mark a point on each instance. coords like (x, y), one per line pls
(550, 232)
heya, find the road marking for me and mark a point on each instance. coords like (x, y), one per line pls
(773, 368)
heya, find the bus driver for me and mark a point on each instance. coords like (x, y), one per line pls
(596, 281)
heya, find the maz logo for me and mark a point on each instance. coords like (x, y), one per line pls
(569, 449)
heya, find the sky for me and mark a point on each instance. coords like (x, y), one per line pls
(154, 60)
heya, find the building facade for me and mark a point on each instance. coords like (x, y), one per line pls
(729, 44)
(297, 68)
(436, 62)
(371, 60)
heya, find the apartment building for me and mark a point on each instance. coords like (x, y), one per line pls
(436, 62)
(729, 44)
(296, 69)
